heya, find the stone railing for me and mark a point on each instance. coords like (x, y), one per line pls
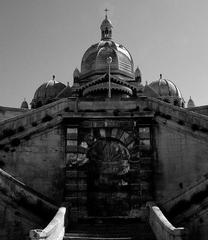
(29, 121)
(161, 227)
(26, 197)
(180, 115)
(55, 230)
(8, 112)
(34, 116)
(198, 187)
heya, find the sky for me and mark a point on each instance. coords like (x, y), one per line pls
(39, 38)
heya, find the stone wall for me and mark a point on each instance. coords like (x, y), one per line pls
(15, 222)
(198, 227)
(180, 174)
(21, 208)
(182, 116)
(182, 158)
(29, 118)
(202, 109)
(34, 154)
(8, 112)
(38, 161)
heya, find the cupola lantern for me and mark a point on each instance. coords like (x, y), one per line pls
(106, 28)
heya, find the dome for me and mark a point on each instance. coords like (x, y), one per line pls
(190, 103)
(94, 60)
(167, 91)
(47, 92)
(24, 104)
(164, 87)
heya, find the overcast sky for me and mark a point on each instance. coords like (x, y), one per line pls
(39, 38)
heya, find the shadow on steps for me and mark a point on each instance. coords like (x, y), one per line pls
(109, 229)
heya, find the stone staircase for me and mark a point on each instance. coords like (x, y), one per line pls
(110, 229)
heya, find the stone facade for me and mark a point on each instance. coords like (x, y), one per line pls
(118, 159)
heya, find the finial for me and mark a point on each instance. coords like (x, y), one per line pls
(67, 84)
(54, 77)
(106, 13)
(146, 83)
(160, 76)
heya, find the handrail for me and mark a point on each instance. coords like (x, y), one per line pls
(178, 113)
(55, 230)
(25, 196)
(187, 193)
(26, 119)
(161, 227)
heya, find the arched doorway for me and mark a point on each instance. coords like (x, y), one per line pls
(108, 179)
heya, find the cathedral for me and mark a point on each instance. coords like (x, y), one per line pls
(105, 148)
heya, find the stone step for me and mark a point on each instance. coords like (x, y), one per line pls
(83, 236)
(118, 230)
(77, 236)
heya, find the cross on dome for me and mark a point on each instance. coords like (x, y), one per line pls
(106, 27)
(106, 13)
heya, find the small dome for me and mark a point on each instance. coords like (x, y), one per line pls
(190, 103)
(24, 104)
(47, 92)
(168, 91)
(164, 87)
